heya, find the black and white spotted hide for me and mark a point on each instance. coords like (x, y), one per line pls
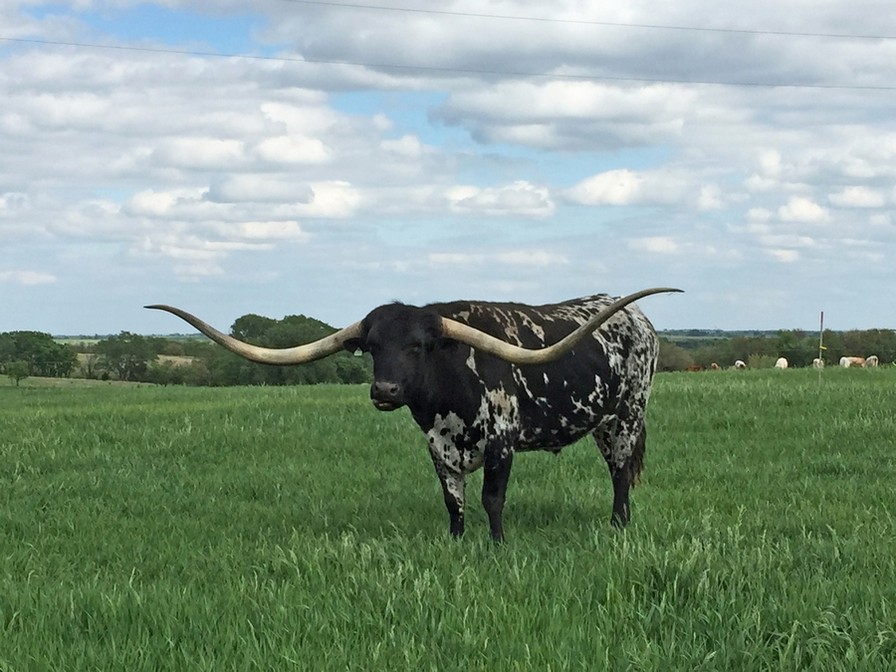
(479, 411)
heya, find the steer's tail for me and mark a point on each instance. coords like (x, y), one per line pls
(636, 461)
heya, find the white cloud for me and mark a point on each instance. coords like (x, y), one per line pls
(569, 114)
(614, 187)
(802, 209)
(27, 277)
(532, 258)
(334, 199)
(271, 230)
(628, 187)
(759, 215)
(784, 256)
(12, 201)
(655, 245)
(407, 146)
(518, 198)
(858, 197)
(259, 187)
(786, 240)
(523, 258)
(710, 198)
(153, 203)
(198, 152)
(304, 113)
(294, 149)
(455, 258)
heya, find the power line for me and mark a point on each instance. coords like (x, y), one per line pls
(447, 69)
(586, 22)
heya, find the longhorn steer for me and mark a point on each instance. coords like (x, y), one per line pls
(483, 382)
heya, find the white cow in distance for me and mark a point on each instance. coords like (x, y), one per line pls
(847, 362)
(871, 362)
(781, 363)
(740, 364)
(818, 363)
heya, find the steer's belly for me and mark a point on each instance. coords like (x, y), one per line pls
(552, 439)
(545, 428)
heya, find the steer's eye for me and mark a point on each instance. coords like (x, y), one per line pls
(415, 348)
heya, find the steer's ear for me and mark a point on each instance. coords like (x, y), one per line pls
(354, 345)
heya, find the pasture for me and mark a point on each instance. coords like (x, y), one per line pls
(146, 528)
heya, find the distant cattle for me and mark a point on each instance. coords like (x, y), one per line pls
(871, 362)
(781, 363)
(847, 362)
(740, 364)
(714, 366)
(818, 363)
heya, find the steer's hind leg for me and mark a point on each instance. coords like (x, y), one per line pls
(623, 450)
(498, 460)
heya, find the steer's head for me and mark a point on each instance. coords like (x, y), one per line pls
(400, 339)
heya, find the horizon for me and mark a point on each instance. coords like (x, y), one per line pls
(660, 332)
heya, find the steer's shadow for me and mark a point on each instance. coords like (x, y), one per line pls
(424, 514)
(546, 494)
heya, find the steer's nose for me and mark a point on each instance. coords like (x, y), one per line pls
(385, 394)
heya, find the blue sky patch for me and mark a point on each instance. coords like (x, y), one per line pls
(176, 27)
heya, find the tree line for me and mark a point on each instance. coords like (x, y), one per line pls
(177, 360)
(33, 353)
(180, 360)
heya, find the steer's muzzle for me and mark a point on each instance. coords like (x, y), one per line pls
(386, 395)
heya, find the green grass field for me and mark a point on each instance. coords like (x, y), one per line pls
(151, 528)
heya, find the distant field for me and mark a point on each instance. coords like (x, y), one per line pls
(77, 340)
(149, 528)
(38, 381)
(176, 360)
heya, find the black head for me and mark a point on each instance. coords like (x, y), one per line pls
(402, 341)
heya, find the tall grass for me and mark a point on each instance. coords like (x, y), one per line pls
(298, 528)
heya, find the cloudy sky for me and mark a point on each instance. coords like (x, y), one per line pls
(291, 157)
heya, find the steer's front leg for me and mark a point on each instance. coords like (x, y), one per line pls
(453, 489)
(498, 460)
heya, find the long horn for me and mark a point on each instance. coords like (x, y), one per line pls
(517, 355)
(299, 354)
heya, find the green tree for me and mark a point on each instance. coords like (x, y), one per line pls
(44, 356)
(673, 357)
(252, 328)
(127, 355)
(798, 347)
(225, 368)
(197, 373)
(89, 365)
(833, 349)
(17, 371)
(290, 331)
(353, 369)
(7, 348)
